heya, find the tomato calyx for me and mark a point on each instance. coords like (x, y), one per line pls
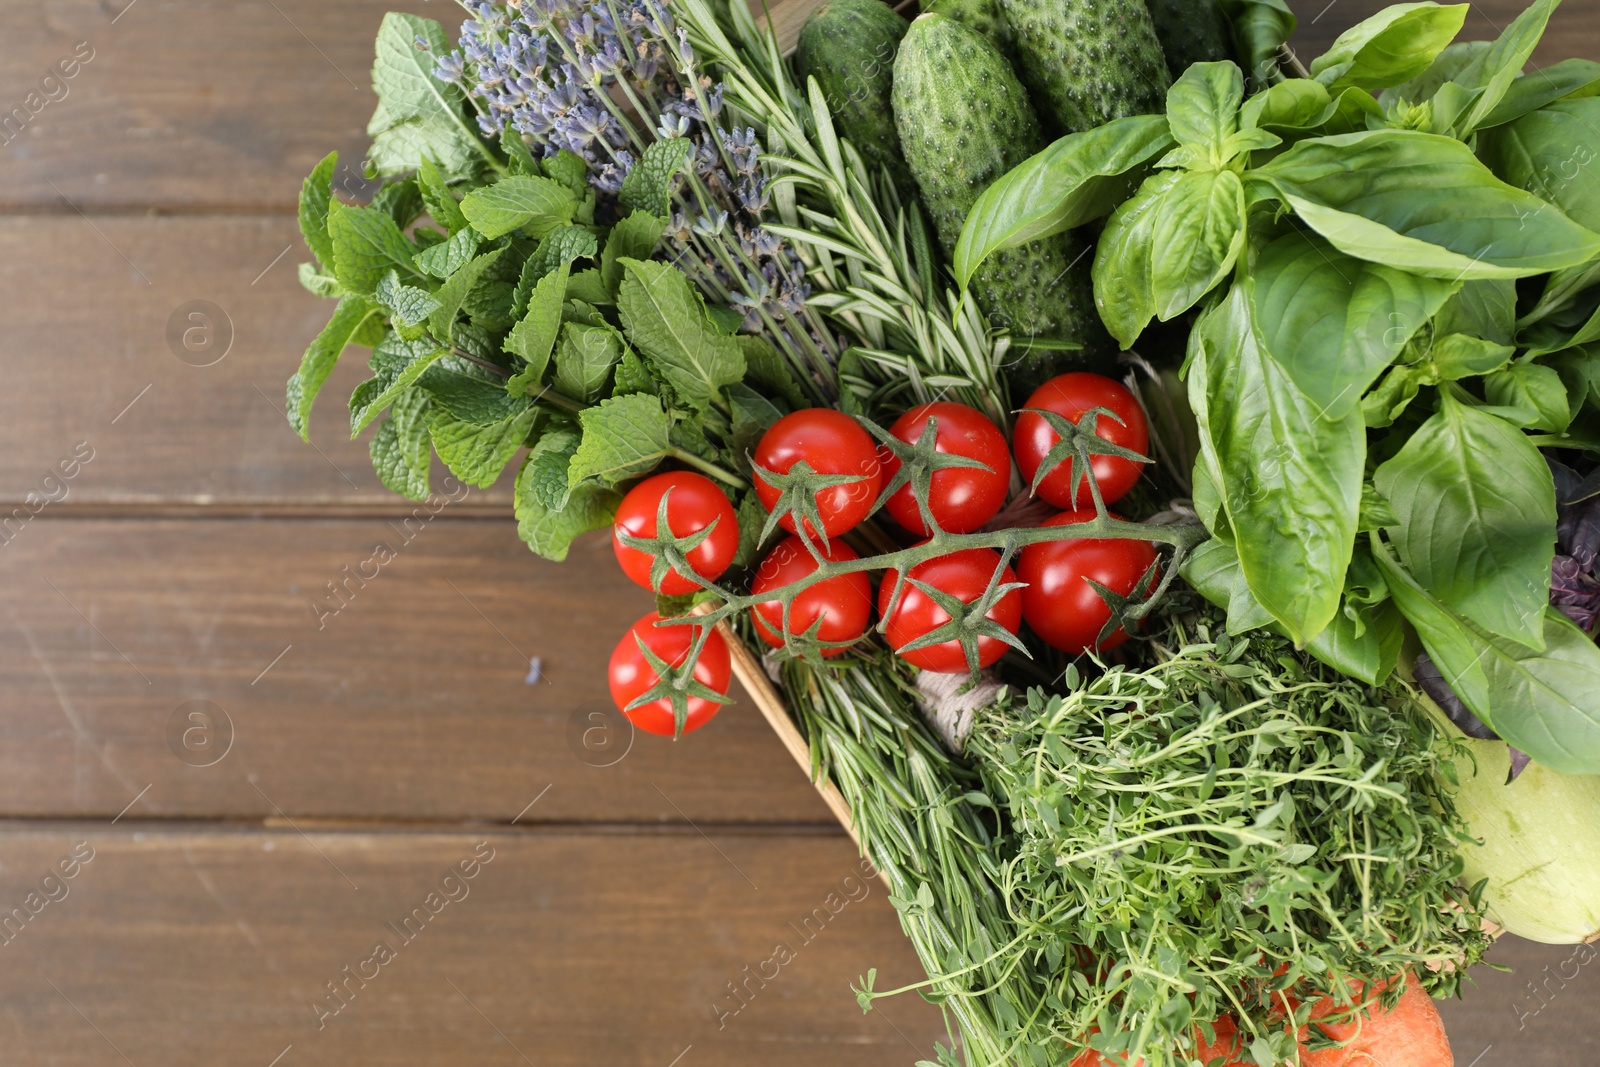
(1079, 442)
(968, 622)
(918, 462)
(669, 554)
(798, 490)
(677, 685)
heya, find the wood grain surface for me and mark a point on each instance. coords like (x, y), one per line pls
(343, 761)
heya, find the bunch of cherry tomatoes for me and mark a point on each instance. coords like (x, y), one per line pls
(1056, 598)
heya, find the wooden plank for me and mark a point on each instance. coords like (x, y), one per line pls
(188, 105)
(95, 353)
(1541, 1014)
(177, 947)
(410, 701)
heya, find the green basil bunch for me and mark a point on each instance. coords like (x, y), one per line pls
(1393, 269)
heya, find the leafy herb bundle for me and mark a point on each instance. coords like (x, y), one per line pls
(1395, 268)
(1228, 829)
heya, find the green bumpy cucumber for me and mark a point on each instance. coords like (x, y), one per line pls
(964, 120)
(1088, 61)
(1191, 31)
(849, 46)
(984, 16)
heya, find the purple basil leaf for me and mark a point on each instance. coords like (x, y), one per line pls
(1519, 763)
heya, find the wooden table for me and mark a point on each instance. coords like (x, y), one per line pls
(253, 791)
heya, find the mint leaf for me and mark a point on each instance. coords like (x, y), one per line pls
(586, 285)
(316, 193)
(535, 335)
(407, 304)
(584, 360)
(396, 365)
(443, 260)
(401, 450)
(667, 323)
(466, 395)
(546, 470)
(324, 285)
(562, 245)
(366, 245)
(441, 203)
(519, 202)
(454, 292)
(634, 237)
(550, 531)
(345, 327)
(648, 186)
(569, 169)
(633, 376)
(418, 114)
(752, 415)
(400, 201)
(766, 367)
(477, 454)
(622, 437)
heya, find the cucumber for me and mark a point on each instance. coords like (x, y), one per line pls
(1191, 31)
(964, 120)
(984, 16)
(849, 47)
(1088, 61)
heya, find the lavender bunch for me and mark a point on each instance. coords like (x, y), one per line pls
(605, 78)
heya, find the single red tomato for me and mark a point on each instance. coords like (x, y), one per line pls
(831, 442)
(843, 602)
(693, 503)
(631, 675)
(1072, 396)
(962, 499)
(964, 574)
(1059, 604)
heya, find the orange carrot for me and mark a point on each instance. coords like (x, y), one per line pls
(1411, 1034)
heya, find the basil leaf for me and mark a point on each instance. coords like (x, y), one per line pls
(1423, 203)
(1570, 78)
(417, 113)
(1477, 511)
(1456, 356)
(1529, 395)
(1540, 702)
(1333, 322)
(1446, 67)
(1260, 30)
(476, 453)
(1124, 259)
(349, 325)
(623, 437)
(1548, 153)
(550, 531)
(666, 321)
(1496, 67)
(1203, 106)
(1290, 476)
(1196, 235)
(520, 202)
(1485, 307)
(1079, 178)
(1393, 46)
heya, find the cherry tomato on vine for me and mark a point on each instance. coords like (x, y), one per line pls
(1059, 603)
(843, 602)
(965, 575)
(1071, 396)
(631, 675)
(961, 498)
(831, 442)
(695, 503)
